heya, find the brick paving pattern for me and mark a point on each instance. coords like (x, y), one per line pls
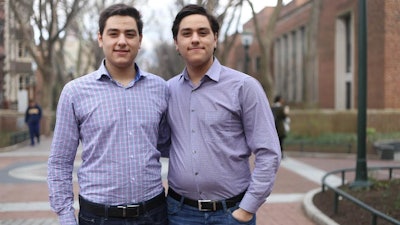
(24, 196)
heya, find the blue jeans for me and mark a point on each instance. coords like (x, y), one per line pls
(157, 216)
(181, 214)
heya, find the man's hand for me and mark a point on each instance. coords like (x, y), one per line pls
(242, 215)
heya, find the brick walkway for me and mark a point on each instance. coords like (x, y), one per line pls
(24, 196)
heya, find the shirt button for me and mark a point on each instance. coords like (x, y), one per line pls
(196, 173)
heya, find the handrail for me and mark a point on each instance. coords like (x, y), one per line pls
(338, 192)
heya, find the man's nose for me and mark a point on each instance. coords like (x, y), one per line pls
(122, 40)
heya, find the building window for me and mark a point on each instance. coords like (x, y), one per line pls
(348, 95)
(293, 72)
(24, 81)
(344, 51)
(285, 62)
(22, 50)
(347, 24)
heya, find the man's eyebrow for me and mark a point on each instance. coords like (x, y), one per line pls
(186, 29)
(115, 29)
(190, 29)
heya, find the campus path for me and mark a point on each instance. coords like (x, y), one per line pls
(24, 195)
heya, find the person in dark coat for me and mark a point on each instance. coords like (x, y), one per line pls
(33, 115)
(281, 115)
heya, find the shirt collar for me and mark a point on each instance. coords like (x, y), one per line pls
(104, 72)
(213, 72)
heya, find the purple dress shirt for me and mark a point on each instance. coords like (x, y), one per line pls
(118, 128)
(215, 127)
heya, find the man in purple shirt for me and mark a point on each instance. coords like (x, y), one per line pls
(219, 117)
(118, 114)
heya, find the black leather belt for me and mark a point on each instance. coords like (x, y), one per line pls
(123, 211)
(206, 205)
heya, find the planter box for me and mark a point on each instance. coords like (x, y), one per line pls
(388, 150)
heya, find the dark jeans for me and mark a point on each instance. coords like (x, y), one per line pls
(157, 216)
(34, 132)
(181, 214)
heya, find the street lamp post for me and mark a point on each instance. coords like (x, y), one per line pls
(361, 180)
(247, 39)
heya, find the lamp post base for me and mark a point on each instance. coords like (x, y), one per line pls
(361, 184)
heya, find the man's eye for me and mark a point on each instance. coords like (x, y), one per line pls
(204, 32)
(130, 35)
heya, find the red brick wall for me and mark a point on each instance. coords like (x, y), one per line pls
(391, 81)
(376, 53)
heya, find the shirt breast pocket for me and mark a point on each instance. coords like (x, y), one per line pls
(218, 126)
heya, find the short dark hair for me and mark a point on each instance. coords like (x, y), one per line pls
(193, 9)
(278, 98)
(120, 10)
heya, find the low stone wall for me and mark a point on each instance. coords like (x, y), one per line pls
(315, 122)
(303, 122)
(12, 121)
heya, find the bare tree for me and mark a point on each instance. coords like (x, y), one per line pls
(50, 20)
(169, 63)
(265, 43)
(231, 22)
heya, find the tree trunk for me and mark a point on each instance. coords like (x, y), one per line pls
(265, 45)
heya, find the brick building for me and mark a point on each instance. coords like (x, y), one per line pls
(334, 85)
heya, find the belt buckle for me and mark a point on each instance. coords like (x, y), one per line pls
(127, 207)
(201, 202)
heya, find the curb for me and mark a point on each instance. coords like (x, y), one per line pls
(313, 212)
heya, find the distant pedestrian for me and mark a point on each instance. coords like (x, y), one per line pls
(33, 115)
(282, 119)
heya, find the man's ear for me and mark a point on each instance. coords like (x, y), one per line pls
(176, 45)
(100, 39)
(215, 40)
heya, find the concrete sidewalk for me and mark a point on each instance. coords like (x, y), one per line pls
(24, 196)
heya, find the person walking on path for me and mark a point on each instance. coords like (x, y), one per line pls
(218, 118)
(118, 114)
(33, 115)
(282, 120)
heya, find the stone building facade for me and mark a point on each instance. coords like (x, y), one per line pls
(17, 78)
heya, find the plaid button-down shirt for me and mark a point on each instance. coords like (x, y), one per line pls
(118, 128)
